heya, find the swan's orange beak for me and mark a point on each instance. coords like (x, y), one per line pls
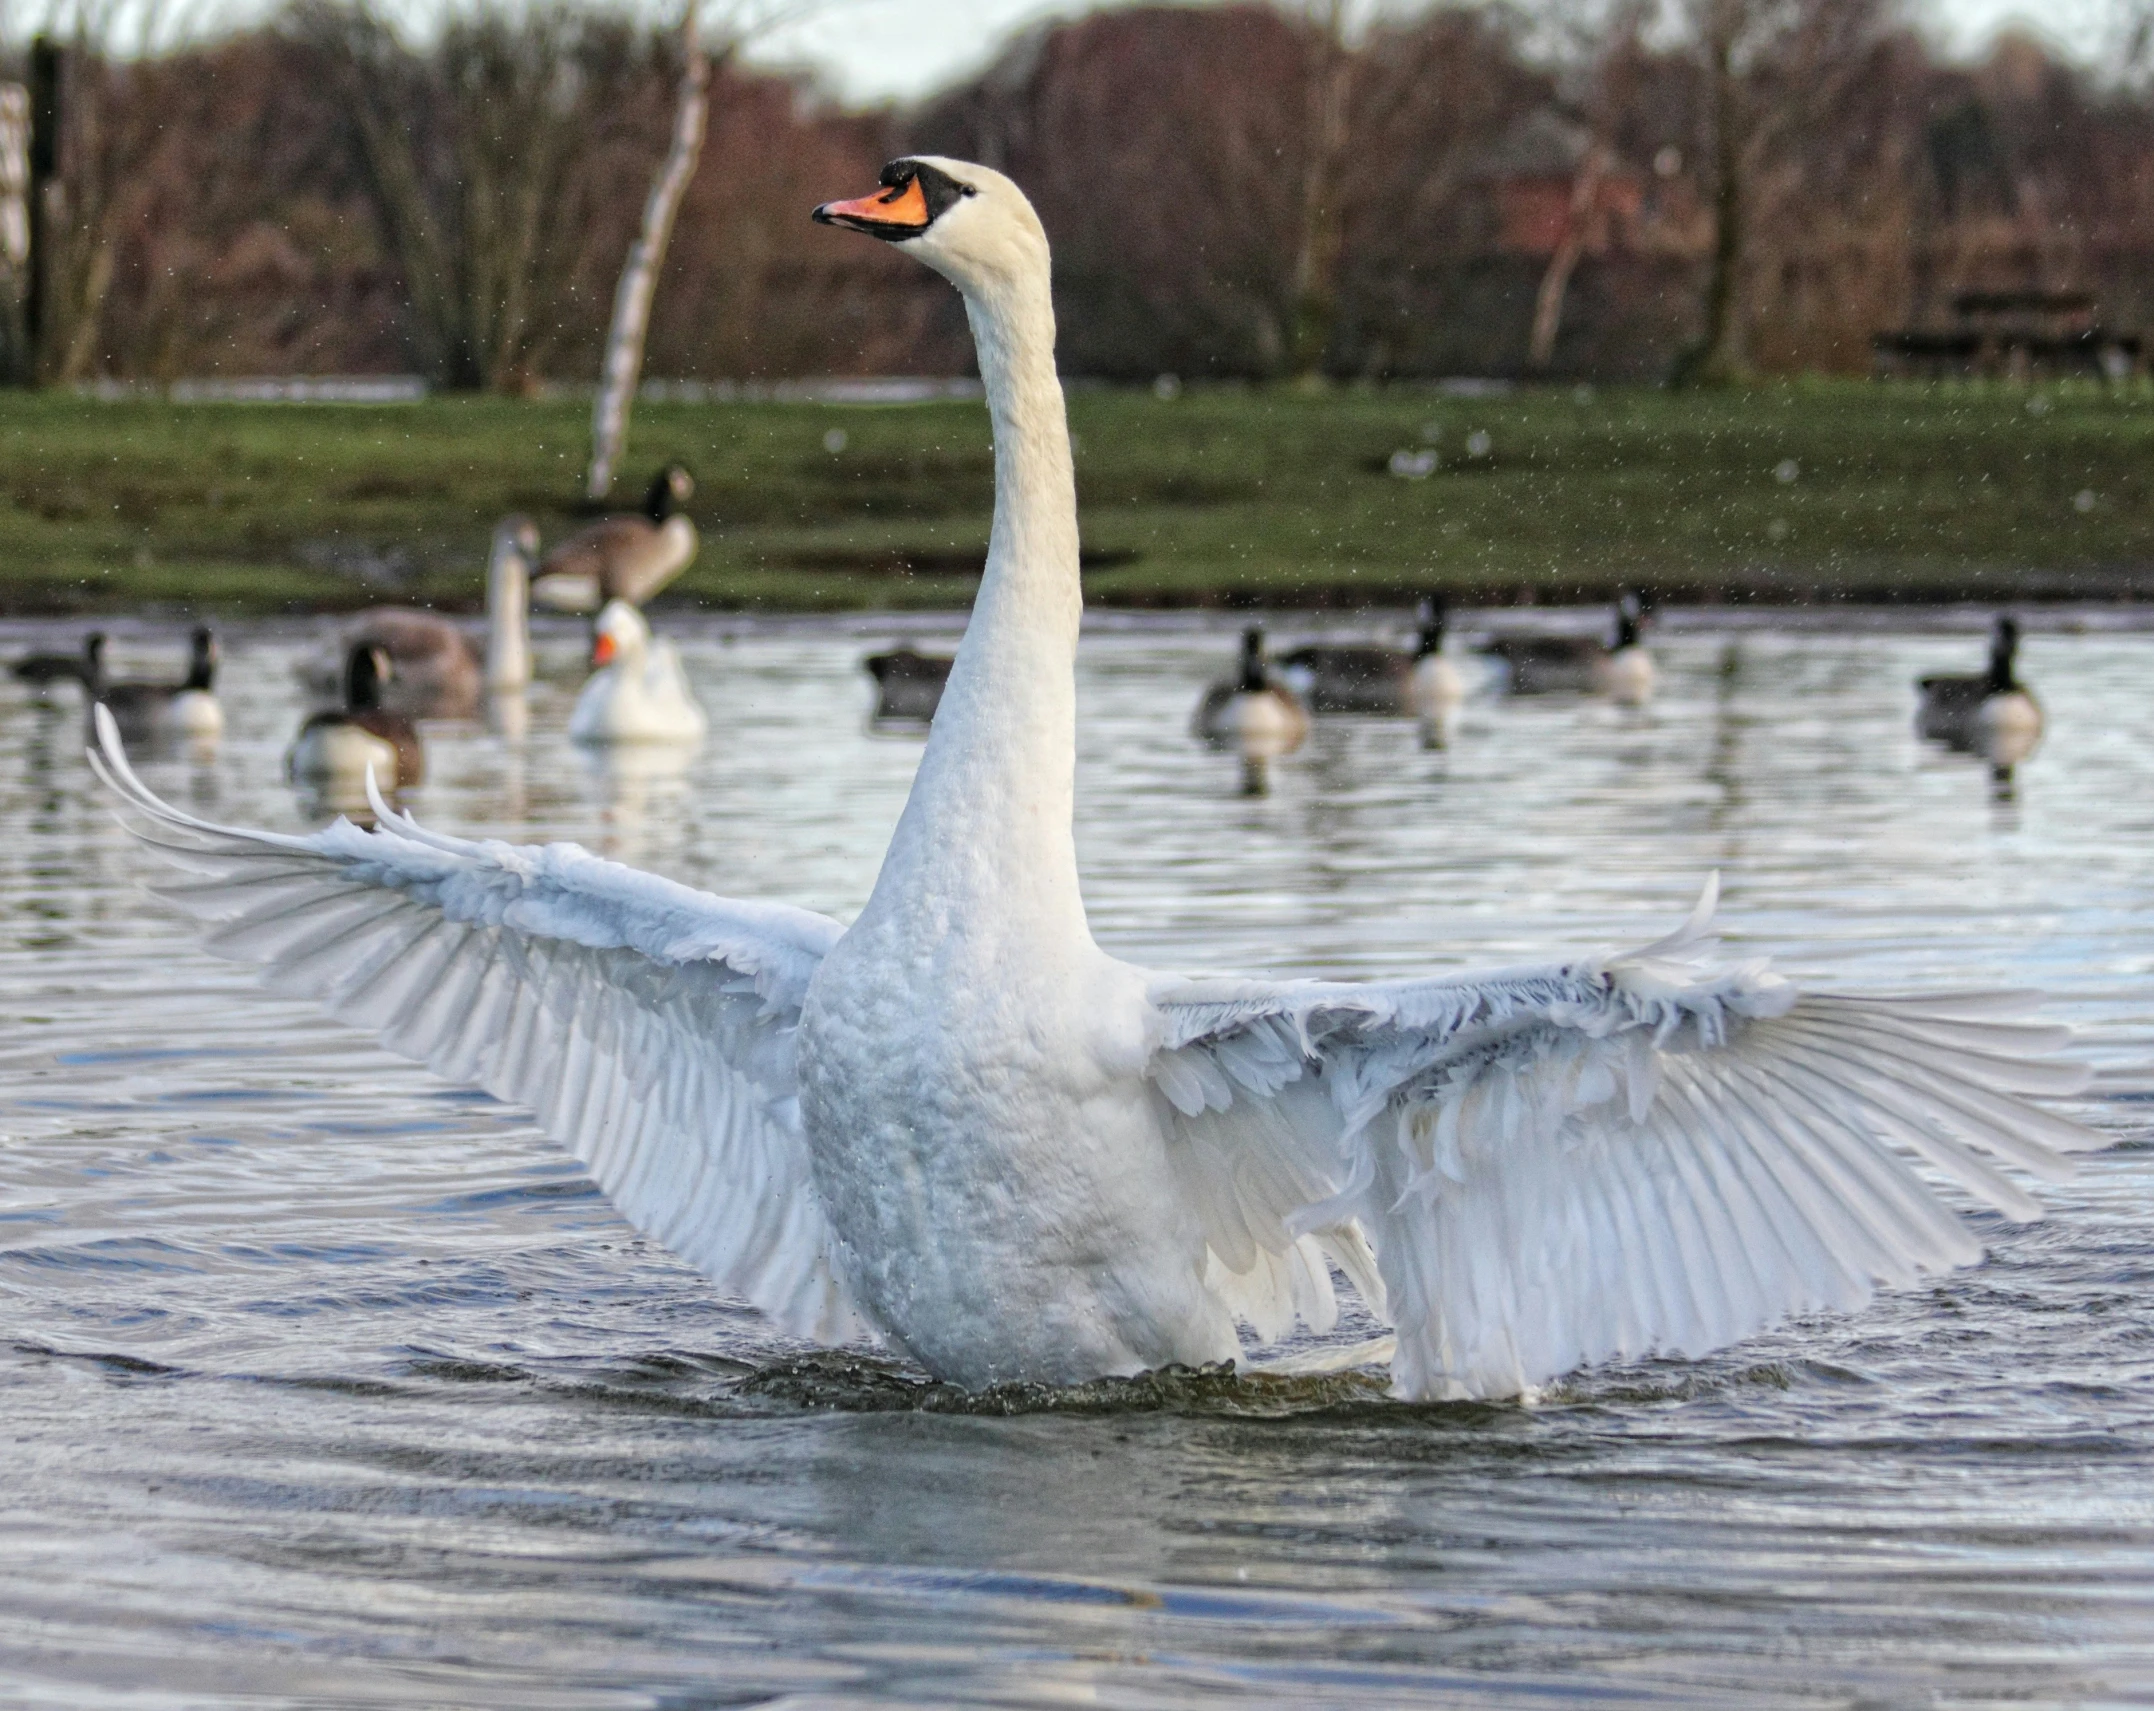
(602, 650)
(896, 213)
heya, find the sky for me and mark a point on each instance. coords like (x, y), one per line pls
(873, 50)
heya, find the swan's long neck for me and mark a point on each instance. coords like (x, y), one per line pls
(508, 618)
(986, 834)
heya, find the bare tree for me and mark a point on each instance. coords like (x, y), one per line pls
(623, 364)
(475, 154)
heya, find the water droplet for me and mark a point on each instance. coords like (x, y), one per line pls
(1167, 387)
(1786, 470)
(1478, 443)
(2083, 500)
(834, 441)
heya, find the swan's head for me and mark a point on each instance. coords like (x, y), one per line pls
(619, 634)
(517, 535)
(967, 222)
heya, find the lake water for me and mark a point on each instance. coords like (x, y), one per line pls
(324, 1384)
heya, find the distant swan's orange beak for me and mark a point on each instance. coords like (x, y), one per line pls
(897, 213)
(602, 650)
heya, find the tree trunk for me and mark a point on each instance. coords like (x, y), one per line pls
(1316, 259)
(1718, 357)
(16, 364)
(1548, 306)
(639, 277)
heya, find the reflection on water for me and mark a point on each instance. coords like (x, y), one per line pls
(324, 1383)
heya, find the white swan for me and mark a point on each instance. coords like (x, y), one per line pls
(639, 693)
(960, 1126)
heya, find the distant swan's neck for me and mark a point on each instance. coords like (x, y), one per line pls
(987, 830)
(508, 619)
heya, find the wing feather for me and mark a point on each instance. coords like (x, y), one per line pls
(1561, 1165)
(647, 1026)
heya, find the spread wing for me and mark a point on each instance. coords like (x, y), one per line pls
(1561, 1165)
(650, 1026)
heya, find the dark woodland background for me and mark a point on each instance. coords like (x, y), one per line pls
(1233, 191)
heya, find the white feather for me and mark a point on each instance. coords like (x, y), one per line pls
(647, 1025)
(1602, 1158)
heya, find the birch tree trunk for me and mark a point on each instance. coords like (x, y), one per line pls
(639, 277)
(1577, 225)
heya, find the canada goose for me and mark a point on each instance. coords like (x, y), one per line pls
(1545, 665)
(638, 694)
(1990, 713)
(908, 685)
(961, 1125)
(152, 712)
(1365, 678)
(436, 671)
(629, 557)
(85, 666)
(334, 749)
(1250, 710)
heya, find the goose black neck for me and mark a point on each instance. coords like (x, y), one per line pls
(1429, 638)
(1626, 634)
(2003, 648)
(202, 662)
(362, 681)
(658, 503)
(1252, 671)
(93, 663)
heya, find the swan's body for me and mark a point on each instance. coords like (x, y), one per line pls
(1251, 710)
(908, 684)
(1989, 713)
(1331, 677)
(435, 669)
(959, 1126)
(638, 694)
(1553, 665)
(627, 557)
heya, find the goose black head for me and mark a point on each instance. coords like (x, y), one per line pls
(365, 673)
(671, 488)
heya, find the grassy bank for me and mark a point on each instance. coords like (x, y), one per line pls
(1840, 490)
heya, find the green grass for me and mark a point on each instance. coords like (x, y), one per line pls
(1899, 492)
